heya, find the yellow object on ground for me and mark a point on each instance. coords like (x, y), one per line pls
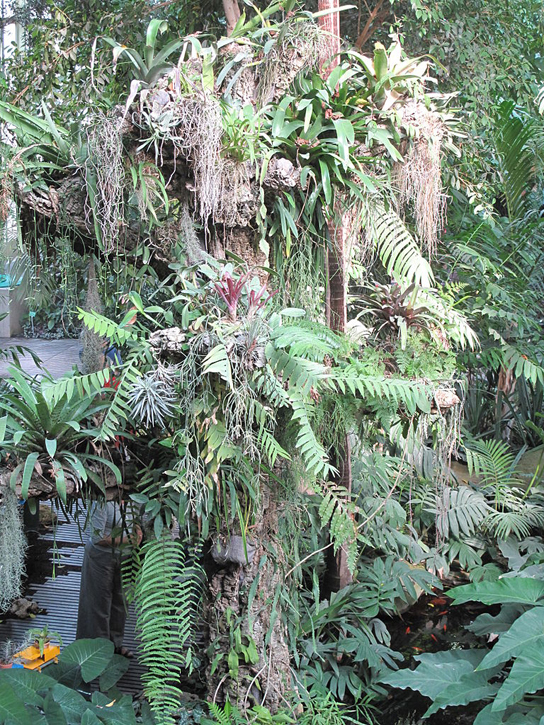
(31, 658)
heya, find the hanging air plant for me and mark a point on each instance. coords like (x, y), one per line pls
(12, 548)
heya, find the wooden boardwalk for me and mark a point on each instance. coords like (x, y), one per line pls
(58, 356)
(58, 593)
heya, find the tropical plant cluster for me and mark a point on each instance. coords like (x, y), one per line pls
(313, 326)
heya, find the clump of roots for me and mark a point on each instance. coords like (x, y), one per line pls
(105, 178)
(12, 548)
(419, 176)
(197, 137)
(5, 197)
(301, 45)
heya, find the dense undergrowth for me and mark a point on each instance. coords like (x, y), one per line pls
(199, 220)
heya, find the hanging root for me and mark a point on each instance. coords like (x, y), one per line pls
(12, 548)
(5, 197)
(105, 178)
(198, 133)
(419, 176)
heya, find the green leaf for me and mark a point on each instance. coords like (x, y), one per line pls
(217, 361)
(526, 676)
(503, 591)
(92, 655)
(27, 683)
(51, 446)
(13, 710)
(471, 687)
(72, 703)
(113, 672)
(53, 712)
(526, 631)
(89, 718)
(436, 672)
(27, 473)
(3, 423)
(326, 181)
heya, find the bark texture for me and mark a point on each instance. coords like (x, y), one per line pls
(234, 603)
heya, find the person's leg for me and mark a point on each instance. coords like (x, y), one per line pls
(118, 612)
(95, 595)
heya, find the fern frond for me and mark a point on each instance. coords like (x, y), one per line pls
(310, 448)
(119, 410)
(412, 394)
(516, 168)
(296, 372)
(494, 461)
(503, 524)
(337, 512)
(397, 248)
(54, 390)
(310, 341)
(107, 328)
(166, 595)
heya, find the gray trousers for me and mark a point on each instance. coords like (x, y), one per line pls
(102, 606)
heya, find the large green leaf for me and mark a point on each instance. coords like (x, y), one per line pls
(27, 683)
(436, 671)
(471, 687)
(73, 704)
(526, 676)
(113, 672)
(92, 655)
(13, 710)
(487, 624)
(53, 712)
(502, 591)
(526, 631)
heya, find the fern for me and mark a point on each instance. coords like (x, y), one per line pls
(119, 410)
(310, 448)
(54, 390)
(495, 463)
(295, 371)
(308, 340)
(166, 595)
(412, 394)
(106, 328)
(396, 247)
(338, 513)
(516, 158)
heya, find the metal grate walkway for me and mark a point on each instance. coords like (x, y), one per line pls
(59, 596)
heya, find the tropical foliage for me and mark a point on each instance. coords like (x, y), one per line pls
(322, 288)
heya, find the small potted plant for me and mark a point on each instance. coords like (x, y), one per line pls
(8, 653)
(41, 639)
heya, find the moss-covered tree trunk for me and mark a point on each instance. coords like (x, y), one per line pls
(248, 652)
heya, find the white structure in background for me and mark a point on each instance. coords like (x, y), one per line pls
(10, 36)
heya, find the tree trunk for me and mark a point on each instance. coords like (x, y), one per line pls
(338, 574)
(232, 14)
(248, 649)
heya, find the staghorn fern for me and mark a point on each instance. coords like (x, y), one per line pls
(166, 593)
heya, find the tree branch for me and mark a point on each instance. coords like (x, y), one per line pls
(7, 21)
(374, 21)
